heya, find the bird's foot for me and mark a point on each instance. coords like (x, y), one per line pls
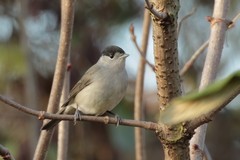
(116, 117)
(118, 120)
(77, 116)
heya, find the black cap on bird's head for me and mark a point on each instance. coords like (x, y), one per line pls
(111, 50)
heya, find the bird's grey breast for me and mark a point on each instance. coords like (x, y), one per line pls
(105, 91)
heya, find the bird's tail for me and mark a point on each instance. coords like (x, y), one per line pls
(50, 124)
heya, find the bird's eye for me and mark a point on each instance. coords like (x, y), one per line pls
(111, 55)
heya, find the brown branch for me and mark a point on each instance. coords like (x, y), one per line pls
(102, 119)
(138, 100)
(234, 21)
(175, 145)
(191, 61)
(133, 37)
(5, 154)
(184, 18)
(157, 14)
(63, 127)
(67, 16)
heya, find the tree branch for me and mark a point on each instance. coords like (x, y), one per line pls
(190, 62)
(63, 127)
(102, 119)
(175, 142)
(157, 14)
(234, 21)
(138, 100)
(184, 18)
(216, 41)
(67, 16)
(142, 54)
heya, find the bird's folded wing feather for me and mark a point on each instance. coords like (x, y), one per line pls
(81, 84)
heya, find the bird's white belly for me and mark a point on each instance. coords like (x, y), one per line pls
(97, 98)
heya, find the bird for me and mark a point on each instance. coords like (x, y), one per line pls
(100, 89)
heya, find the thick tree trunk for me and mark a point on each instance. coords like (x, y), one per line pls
(165, 51)
(175, 140)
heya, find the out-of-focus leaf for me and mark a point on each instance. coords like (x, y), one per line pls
(195, 104)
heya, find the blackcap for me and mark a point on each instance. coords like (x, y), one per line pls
(100, 89)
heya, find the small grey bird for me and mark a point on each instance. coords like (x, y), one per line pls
(100, 89)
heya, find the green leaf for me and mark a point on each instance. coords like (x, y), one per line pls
(208, 100)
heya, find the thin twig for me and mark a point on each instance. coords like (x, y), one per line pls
(190, 62)
(133, 37)
(234, 21)
(67, 16)
(138, 100)
(184, 18)
(5, 154)
(101, 119)
(158, 14)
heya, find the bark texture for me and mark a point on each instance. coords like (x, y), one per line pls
(165, 51)
(175, 139)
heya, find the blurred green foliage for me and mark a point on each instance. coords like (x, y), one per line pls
(12, 63)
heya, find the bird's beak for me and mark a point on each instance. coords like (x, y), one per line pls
(125, 55)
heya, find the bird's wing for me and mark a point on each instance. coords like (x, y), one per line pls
(86, 80)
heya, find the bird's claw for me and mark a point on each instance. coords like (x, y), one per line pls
(116, 116)
(118, 120)
(77, 116)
